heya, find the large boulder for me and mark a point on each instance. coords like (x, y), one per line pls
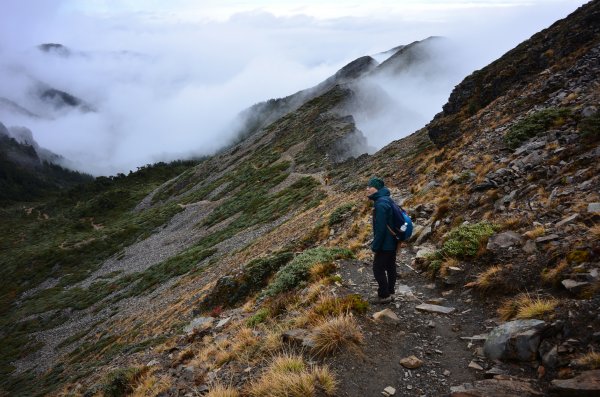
(515, 340)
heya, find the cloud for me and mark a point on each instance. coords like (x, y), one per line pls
(166, 80)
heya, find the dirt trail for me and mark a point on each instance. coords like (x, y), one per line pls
(433, 338)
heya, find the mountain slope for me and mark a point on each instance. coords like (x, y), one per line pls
(252, 237)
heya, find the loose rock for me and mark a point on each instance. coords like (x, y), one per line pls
(387, 315)
(411, 362)
(515, 340)
(425, 307)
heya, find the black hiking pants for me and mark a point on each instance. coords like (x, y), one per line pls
(384, 270)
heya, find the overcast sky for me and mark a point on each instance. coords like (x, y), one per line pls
(167, 77)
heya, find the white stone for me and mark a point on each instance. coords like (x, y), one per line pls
(387, 315)
(223, 322)
(388, 391)
(474, 365)
(435, 308)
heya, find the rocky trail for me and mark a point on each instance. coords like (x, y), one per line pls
(413, 349)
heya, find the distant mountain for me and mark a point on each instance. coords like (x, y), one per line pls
(55, 48)
(28, 171)
(399, 59)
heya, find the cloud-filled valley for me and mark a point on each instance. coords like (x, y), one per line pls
(154, 87)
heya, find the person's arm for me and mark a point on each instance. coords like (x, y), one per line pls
(379, 226)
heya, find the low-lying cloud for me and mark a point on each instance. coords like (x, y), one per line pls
(164, 87)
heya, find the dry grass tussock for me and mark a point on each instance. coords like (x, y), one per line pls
(289, 376)
(523, 306)
(535, 232)
(553, 275)
(222, 391)
(589, 360)
(337, 333)
(152, 385)
(487, 280)
(215, 354)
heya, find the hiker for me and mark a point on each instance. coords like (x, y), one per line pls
(384, 244)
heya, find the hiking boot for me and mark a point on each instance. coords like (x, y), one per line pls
(380, 301)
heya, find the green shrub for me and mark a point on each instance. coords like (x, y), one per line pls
(121, 382)
(297, 272)
(258, 317)
(340, 213)
(465, 240)
(535, 124)
(589, 127)
(234, 288)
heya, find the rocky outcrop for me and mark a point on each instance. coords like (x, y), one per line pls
(517, 67)
(515, 340)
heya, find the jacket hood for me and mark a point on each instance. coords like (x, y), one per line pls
(383, 192)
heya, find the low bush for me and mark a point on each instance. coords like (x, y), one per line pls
(466, 240)
(297, 272)
(535, 124)
(340, 213)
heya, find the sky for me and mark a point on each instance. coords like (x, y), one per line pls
(166, 79)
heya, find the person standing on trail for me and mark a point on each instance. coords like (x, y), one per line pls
(384, 244)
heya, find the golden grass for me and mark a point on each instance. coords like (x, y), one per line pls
(289, 376)
(222, 391)
(321, 270)
(272, 341)
(337, 333)
(487, 279)
(553, 276)
(535, 232)
(595, 231)
(151, 385)
(523, 306)
(448, 262)
(589, 360)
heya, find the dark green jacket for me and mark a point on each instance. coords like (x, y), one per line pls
(382, 216)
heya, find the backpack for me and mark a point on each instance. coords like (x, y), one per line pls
(400, 221)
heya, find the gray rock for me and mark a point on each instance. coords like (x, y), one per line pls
(545, 239)
(435, 308)
(515, 340)
(567, 220)
(528, 147)
(594, 208)
(574, 286)
(550, 359)
(503, 240)
(589, 111)
(199, 324)
(152, 363)
(490, 373)
(299, 336)
(585, 385)
(424, 235)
